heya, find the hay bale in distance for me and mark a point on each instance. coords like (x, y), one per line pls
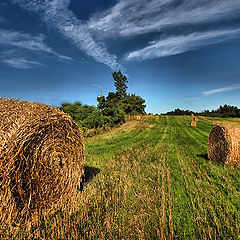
(138, 118)
(193, 124)
(224, 145)
(41, 158)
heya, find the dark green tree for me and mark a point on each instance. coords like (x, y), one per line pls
(133, 104)
(129, 103)
(222, 111)
(84, 115)
(110, 108)
(120, 83)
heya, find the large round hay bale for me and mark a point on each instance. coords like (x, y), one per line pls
(224, 145)
(41, 158)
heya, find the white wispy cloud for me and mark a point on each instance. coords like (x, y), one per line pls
(134, 17)
(56, 15)
(21, 63)
(173, 45)
(14, 42)
(23, 40)
(27, 42)
(221, 90)
(131, 18)
(14, 58)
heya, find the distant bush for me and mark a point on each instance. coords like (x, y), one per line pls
(222, 111)
(85, 115)
(180, 112)
(91, 117)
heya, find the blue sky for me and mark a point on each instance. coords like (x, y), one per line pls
(176, 53)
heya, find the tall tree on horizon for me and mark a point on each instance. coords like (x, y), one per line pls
(120, 83)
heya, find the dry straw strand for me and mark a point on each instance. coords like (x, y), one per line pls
(224, 145)
(215, 123)
(41, 158)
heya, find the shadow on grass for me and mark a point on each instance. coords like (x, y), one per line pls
(89, 174)
(204, 156)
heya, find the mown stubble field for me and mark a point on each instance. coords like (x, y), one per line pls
(148, 179)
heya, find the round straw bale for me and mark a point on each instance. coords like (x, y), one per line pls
(41, 157)
(138, 118)
(224, 145)
(193, 124)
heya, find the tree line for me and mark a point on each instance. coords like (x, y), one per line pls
(110, 110)
(222, 111)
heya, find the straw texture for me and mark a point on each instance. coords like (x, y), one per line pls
(224, 145)
(41, 158)
(216, 123)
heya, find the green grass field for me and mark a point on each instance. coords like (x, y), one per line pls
(152, 181)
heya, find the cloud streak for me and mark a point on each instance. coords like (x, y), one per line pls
(134, 17)
(55, 15)
(26, 41)
(179, 22)
(14, 43)
(221, 90)
(179, 25)
(173, 45)
(21, 63)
